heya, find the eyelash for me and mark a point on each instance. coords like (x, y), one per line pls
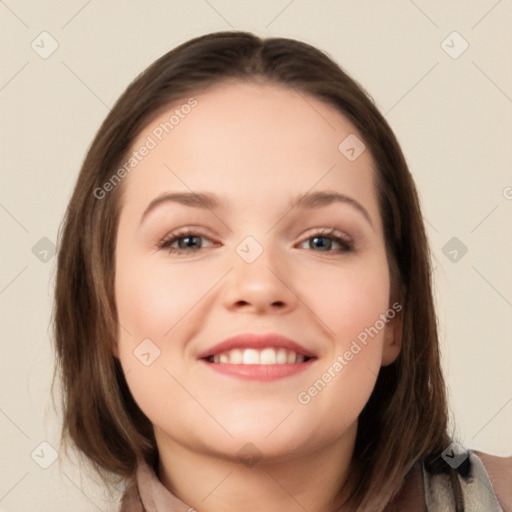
(346, 243)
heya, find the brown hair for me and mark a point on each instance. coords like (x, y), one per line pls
(406, 417)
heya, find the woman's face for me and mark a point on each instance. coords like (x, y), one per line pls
(252, 263)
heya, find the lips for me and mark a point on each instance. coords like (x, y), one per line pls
(258, 357)
(257, 349)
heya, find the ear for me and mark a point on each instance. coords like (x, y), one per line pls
(392, 342)
(115, 349)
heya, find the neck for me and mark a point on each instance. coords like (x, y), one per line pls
(210, 482)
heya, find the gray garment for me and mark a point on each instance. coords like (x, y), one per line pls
(477, 490)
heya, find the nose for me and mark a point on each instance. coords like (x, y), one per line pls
(262, 286)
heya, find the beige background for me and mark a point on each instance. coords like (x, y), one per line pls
(453, 117)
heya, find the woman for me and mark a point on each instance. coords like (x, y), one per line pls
(254, 371)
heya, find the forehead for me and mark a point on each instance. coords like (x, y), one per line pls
(250, 141)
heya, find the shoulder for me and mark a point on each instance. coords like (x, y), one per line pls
(499, 470)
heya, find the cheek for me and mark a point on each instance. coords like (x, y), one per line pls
(347, 299)
(155, 305)
(152, 299)
(350, 303)
(160, 307)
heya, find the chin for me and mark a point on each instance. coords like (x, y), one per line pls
(249, 451)
(252, 441)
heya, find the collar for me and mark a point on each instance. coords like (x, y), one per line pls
(145, 493)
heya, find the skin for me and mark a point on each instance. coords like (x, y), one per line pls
(257, 146)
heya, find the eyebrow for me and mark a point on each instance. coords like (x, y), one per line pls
(207, 200)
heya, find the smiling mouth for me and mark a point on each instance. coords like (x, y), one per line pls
(251, 356)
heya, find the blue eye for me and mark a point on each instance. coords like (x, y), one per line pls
(322, 239)
(325, 240)
(191, 240)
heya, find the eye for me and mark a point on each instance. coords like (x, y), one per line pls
(191, 240)
(324, 239)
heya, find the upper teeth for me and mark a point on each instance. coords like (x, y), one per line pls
(254, 356)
